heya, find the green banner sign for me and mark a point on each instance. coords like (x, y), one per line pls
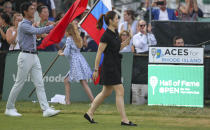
(54, 79)
(176, 85)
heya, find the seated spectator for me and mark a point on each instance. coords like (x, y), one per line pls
(189, 11)
(123, 36)
(143, 39)
(11, 34)
(4, 25)
(44, 15)
(130, 24)
(178, 41)
(163, 13)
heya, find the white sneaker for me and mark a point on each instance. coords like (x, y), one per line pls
(50, 112)
(12, 112)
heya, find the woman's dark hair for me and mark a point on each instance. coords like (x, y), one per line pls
(40, 8)
(176, 38)
(105, 17)
(24, 7)
(131, 13)
(6, 18)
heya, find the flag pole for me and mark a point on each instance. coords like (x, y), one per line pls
(52, 63)
(81, 21)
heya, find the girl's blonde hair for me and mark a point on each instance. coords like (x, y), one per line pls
(15, 15)
(73, 31)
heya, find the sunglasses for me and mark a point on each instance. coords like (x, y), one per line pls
(143, 25)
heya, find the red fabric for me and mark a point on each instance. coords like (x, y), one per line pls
(176, 13)
(57, 33)
(89, 25)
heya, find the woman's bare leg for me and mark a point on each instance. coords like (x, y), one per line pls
(87, 89)
(67, 90)
(119, 90)
(107, 90)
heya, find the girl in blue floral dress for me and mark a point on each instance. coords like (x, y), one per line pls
(79, 68)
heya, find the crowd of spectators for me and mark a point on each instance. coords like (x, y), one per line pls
(140, 31)
(184, 11)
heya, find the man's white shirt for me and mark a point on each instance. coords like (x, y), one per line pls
(141, 42)
(163, 15)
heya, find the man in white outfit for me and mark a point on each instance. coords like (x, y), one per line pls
(144, 38)
(28, 63)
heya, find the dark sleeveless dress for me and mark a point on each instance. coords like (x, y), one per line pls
(111, 65)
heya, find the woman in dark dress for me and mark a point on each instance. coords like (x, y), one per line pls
(110, 45)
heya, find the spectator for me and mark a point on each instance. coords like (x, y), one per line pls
(44, 15)
(7, 8)
(154, 4)
(178, 41)
(130, 24)
(123, 36)
(189, 11)
(18, 3)
(1, 5)
(4, 25)
(36, 14)
(13, 2)
(11, 34)
(172, 4)
(51, 8)
(90, 45)
(143, 39)
(163, 13)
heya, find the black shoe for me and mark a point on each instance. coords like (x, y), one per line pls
(86, 116)
(128, 124)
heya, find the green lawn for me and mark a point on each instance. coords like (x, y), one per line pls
(71, 118)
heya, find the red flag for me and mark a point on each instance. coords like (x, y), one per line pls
(57, 33)
(89, 25)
